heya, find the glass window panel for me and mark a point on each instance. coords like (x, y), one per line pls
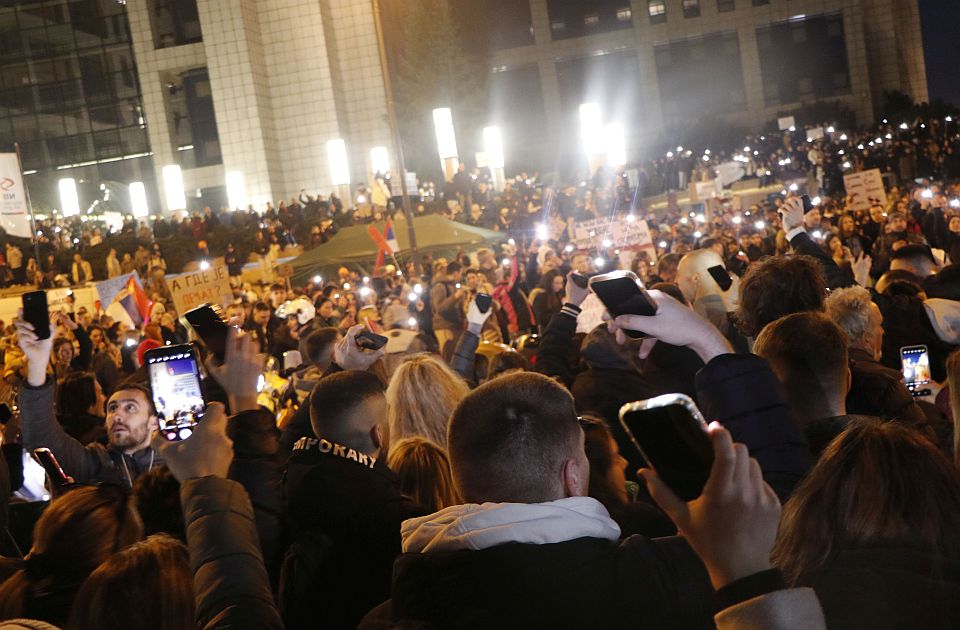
(26, 127)
(76, 122)
(134, 140)
(107, 144)
(103, 117)
(14, 76)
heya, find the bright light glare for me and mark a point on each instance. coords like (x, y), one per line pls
(615, 144)
(542, 232)
(204, 265)
(663, 244)
(446, 138)
(418, 288)
(599, 262)
(817, 234)
(317, 279)
(591, 129)
(737, 220)
(759, 225)
(138, 199)
(337, 162)
(815, 201)
(493, 145)
(412, 322)
(955, 203)
(346, 286)
(794, 187)
(380, 159)
(69, 200)
(606, 242)
(236, 190)
(413, 297)
(173, 187)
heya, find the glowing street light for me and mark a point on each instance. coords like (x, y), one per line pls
(446, 141)
(236, 190)
(337, 162)
(616, 148)
(138, 199)
(493, 148)
(69, 199)
(173, 187)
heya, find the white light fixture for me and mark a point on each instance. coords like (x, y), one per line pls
(615, 145)
(69, 199)
(379, 159)
(493, 147)
(337, 162)
(236, 190)
(173, 187)
(138, 199)
(591, 129)
(446, 137)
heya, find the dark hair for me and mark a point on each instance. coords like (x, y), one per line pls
(546, 281)
(671, 260)
(506, 361)
(876, 484)
(150, 582)
(276, 286)
(808, 353)
(317, 342)
(157, 493)
(262, 306)
(333, 400)
(777, 286)
(914, 253)
(77, 393)
(947, 283)
(453, 267)
(137, 387)
(510, 438)
(671, 289)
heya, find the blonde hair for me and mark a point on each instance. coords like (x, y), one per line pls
(422, 394)
(424, 472)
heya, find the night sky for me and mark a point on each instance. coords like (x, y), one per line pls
(940, 21)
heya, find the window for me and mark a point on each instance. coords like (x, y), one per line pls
(725, 6)
(658, 11)
(758, 3)
(624, 14)
(691, 8)
(591, 20)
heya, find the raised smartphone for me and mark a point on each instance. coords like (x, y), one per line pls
(721, 276)
(371, 341)
(174, 373)
(210, 325)
(623, 294)
(671, 435)
(915, 365)
(45, 458)
(35, 312)
(484, 301)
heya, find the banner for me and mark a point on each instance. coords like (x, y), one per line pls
(620, 232)
(865, 188)
(815, 134)
(730, 172)
(14, 212)
(194, 288)
(786, 122)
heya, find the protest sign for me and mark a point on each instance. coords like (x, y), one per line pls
(210, 286)
(786, 122)
(619, 232)
(14, 213)
(815, 134)
(865, 188)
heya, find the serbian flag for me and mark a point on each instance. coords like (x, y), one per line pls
(131, 304)
(391, 239)
(381, 242)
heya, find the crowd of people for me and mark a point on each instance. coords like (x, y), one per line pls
(473, 472)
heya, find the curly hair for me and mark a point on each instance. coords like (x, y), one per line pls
(777, 286)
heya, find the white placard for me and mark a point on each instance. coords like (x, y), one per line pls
(865, 188)
(14, 212)
(620, 232)
(786, 122)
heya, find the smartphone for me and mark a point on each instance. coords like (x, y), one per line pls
(580, 280)
(671, 435)
(484, 301)
(45, 458)
(5, 413)
(915, 365)
(623, 294)
(210, 325)
(721, 276)
(371, 341)
(174, 373)
(36, 313)
(807, 203)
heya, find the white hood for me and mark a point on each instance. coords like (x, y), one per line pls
(945, 317)
(476, 526)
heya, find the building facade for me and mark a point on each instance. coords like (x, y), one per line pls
(660, 66)
(249, 91)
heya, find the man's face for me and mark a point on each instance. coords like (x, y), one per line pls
(812, 219)
(235, 315)
(260, 318)
(874, 334)
(278, 297)
(897, 224)
(581, 263)
(756, 240)
(129, 421)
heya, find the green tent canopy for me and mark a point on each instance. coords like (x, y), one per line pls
(353, 247)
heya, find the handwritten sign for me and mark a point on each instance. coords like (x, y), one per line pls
(865, 188)
(786, 122)
(194, 288)
(620, 233)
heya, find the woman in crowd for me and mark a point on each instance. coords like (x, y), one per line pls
(547, 298)
(873, 529)
(80, 407)
(79, 531)
(420, 397)
(424, 472)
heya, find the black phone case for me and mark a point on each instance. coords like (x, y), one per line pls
(37, 313)
(721, 276)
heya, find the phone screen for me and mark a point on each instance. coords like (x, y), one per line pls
(915, 365)
(36, 312)
(674, 442)
(175, 381)
(721, 277)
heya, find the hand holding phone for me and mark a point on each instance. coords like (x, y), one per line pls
(622, 293)
(210, 325)
(367, 340)
(36, 313)
(174, 373)
(721, 276)
(58, 479)
(671, 435)
(915, 366)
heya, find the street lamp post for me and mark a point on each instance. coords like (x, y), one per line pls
(395, 131)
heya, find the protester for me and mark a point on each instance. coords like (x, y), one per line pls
(423, 470)
(422, 393)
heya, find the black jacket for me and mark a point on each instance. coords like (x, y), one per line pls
(832, 273)
(877, 390)
(582, 583)
(354, 509)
